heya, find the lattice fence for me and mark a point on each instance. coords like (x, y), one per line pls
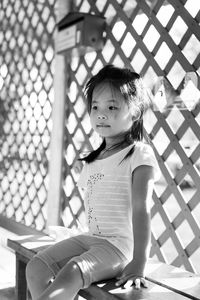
(161, 41)
(26, 95)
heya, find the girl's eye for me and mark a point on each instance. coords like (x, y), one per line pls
(94, 107)
(112, 107)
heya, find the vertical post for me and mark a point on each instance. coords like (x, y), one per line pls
(21, 286)
(57, 135)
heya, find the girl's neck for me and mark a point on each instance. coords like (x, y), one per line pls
(112, 149)
(111, 141)
(113, 145)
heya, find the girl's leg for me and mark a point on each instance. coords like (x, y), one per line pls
(38, 277)
(47, 265)
(66, 284)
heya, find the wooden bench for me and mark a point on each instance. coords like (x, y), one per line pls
(164, 281)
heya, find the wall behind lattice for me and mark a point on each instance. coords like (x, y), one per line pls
(161, 41)
(26, 96)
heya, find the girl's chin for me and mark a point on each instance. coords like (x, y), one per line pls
(113, 137)
(104, 133)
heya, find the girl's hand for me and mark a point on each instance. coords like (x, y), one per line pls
(132, 280)
(132, 276)
(78, 167)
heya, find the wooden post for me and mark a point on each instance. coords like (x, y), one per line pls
(21, 285)
(57, 135)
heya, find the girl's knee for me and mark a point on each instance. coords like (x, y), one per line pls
(37, 271)
(32, 269)
(38, 277)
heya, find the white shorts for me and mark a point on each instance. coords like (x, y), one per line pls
(97, 258)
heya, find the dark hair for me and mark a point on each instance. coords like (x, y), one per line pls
(131, 87)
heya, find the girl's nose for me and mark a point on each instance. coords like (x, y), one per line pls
(102, 117)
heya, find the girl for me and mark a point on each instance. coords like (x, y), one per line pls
(118, 181)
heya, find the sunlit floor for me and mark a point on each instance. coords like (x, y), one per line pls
(7, 274)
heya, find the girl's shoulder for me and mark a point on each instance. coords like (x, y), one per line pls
(144, 151)
(144, 155)
(138, 152)
(143, 147)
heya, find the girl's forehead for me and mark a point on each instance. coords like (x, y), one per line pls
(106, 91)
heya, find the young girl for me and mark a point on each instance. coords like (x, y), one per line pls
(118, 181)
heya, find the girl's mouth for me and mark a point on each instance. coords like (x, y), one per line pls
(102, 126)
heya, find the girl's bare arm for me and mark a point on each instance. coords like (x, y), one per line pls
(142, 189)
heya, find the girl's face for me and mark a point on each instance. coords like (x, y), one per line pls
(110, 115)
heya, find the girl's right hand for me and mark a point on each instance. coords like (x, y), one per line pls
(132, 275)
(132, 280)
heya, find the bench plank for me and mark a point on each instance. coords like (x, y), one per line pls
(164, 282)
(110, 292)
(176, 279)
(29, 245)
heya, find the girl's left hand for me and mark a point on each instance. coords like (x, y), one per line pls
(77, 167)
(128, 278)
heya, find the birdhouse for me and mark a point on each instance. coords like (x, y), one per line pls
(80, 33)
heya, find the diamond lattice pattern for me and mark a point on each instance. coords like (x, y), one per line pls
(26, 85)
(161, 41)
